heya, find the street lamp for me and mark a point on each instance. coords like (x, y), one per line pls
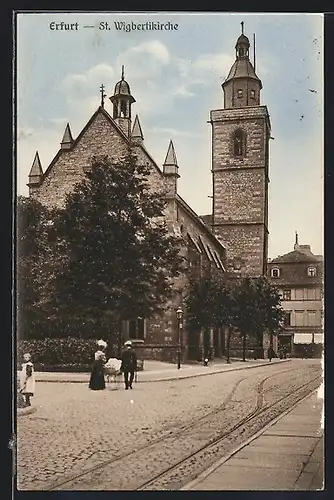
(179, 315)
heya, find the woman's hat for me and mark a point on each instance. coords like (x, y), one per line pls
(128, 342)
(101, 343)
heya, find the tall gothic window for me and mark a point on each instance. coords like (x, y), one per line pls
(239, 143)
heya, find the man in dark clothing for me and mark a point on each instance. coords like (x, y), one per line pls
(129, 364)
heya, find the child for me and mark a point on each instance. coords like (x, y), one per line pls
(27, 381)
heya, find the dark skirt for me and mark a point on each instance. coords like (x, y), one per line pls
(96, 382)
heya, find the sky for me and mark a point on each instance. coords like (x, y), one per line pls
(175, 77)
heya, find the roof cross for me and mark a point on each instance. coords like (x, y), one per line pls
(103, 95)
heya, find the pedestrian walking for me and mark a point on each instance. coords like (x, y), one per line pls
(27, 379)
(97, 382)
(129, 364)
(271, 353)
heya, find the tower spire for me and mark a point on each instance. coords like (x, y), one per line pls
(242, 27)
(122, 71)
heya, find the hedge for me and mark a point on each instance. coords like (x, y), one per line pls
(62, 354)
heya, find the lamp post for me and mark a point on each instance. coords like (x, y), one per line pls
(179, 315)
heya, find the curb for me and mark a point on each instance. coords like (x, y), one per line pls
(172, 378)
(25, 411)
(203, 475)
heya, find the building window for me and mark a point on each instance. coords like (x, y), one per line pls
(252, 94)
(299, 318)
(137, 329)
(239, 92)
(312, 318)
(311, 271)
(239, 143)
(286, 294)
(311, 293)
(275, 272)
(299, 294)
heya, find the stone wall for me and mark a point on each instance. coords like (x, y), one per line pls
(240, 186)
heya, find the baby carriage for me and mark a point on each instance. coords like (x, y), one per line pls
(112, 371)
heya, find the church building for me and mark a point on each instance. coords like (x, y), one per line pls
(234, 238)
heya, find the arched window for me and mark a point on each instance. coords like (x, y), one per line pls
(239, 143)
(123, 109)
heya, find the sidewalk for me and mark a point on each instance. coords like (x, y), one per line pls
(288, 455)
(155, 371)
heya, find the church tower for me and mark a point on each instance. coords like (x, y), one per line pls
(122, 101)
(240, 159)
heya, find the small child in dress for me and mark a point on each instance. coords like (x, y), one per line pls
(27, 380)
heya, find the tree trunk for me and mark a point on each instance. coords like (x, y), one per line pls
(228, 345)
(244, 347)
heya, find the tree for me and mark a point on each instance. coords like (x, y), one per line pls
(119, 258)
(258, 308)
(35, 265)
(211, 303)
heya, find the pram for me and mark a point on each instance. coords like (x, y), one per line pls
(112, 371)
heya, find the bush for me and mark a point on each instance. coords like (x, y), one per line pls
(53, 352)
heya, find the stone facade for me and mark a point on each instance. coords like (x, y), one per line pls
(158, 338)
(240, 186)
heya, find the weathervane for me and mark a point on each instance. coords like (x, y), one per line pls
(103, 95)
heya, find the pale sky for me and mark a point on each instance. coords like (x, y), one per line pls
(175, 77)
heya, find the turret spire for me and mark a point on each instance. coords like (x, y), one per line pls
(67, 139)
(242, 86)
(36, 172)
(137, 133)
(171, 170)
(171, 159)
(122, 101)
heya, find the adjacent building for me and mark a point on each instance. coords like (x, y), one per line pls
(299, 277)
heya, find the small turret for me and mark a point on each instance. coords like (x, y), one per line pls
(242, 86)
(67, 140)
(122, 101)
(35, 174)
(171, 170)
(137, 134)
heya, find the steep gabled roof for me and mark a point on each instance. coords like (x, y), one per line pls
(76, 141)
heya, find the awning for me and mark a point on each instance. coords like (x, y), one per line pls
(302, 338)
(306, 338)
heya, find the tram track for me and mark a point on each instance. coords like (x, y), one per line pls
(113, 463)
(154, 482)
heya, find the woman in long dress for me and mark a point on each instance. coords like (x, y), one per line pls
(97, 382)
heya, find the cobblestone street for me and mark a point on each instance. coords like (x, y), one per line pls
(75, 429)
